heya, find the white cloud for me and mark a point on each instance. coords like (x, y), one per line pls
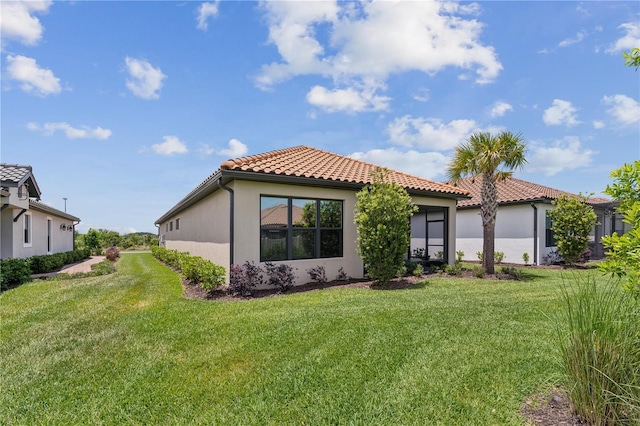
(429, 133)
(577, 39)
(236, 149)
(371, 41)
(171, 145)
(428, 165)
(84, 132)
(598, 124)
(146, 81)
(500, 108)
(560, 112)
(630, 40)
(422, 95)
(623, 108)
(206, 11)
(349, 100)
(205, 150)
(566, 154)
(36, 80)
(18, 22)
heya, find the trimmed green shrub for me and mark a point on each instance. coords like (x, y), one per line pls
(14, 272)
(498, 256)
(195, 268)
(418, 271)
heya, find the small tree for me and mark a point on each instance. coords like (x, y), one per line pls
(92, 241)
(623, 257)
(572, 222)
(382, 214)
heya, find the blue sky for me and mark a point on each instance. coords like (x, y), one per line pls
(124, 107)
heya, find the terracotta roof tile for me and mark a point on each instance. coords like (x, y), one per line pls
(304, 161)
(514, 190)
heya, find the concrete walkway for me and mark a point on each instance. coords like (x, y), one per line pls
(74, 268)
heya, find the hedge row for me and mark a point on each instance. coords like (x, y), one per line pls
(195, 268)
(14, 272)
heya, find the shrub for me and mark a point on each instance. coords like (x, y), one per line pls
(498, 256)
(280, 276)
(14, 272)
(195, 268)
(318, 274)
(478, 271)
(382, 214)
(455, 269)
(342, 275)
(512, 272)
(598, 337)
(410, 266)
(552, 258)
(419, 253)
(525, 258)
(112, 254)
(418, 271)
(572, 222)
(243, 278)
(479, 254)
(459, 255)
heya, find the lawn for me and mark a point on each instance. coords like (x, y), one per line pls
(127, 348)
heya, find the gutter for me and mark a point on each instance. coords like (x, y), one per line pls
(231, 222)
(535, 233)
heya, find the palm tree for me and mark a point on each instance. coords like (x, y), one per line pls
(492, 157)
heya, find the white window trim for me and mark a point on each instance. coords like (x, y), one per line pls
(24, 228)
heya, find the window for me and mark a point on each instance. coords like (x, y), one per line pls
(299, 228)
(549, 238)
(171, 226)
(27, 230)
(49, 226)
(177, 224)
(166, 227)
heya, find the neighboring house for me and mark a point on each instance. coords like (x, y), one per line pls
(522, 223)
(296, 206)
(29, 227)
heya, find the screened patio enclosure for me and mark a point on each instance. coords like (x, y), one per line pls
(429, 230)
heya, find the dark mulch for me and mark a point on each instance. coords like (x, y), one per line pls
(194, 291)
(550, 409)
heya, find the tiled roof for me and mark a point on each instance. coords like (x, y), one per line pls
(512, 190)
(16, 174)
(13, 173)
(304, 161)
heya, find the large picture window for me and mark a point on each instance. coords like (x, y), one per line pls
(299, 228)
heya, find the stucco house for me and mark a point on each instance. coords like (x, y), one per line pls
(522, 222)
(29, 227)
(296, 206)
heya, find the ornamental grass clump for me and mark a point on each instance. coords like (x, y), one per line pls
(599, 339)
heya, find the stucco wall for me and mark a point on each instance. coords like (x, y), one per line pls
(247, 229)
(204, 229)
(61, 241)
(514, 232)
(6, 234)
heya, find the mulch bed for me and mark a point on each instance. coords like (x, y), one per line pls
(550, 409)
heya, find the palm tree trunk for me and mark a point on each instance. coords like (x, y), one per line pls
(488, 210)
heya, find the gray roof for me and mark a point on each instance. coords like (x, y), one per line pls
(15, 175)
(35, 205)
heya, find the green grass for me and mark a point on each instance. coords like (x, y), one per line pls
(126, 348)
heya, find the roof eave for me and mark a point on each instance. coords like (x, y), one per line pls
(511, 203)
(46, 209)
(207, 188)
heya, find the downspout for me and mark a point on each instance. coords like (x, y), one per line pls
(74, 234)
(535, 233)
(226, 188)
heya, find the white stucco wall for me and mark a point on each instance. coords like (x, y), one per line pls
(61, 241)
(514, 232)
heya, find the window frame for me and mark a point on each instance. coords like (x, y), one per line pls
(290, 229)
(27, 230)
(177, 224)
(549, 236)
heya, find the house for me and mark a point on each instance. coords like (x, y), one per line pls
(296, 206)
(29, 227)
(522, 222)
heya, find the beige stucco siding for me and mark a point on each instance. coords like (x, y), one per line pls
(247, 227)
(204, 229)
